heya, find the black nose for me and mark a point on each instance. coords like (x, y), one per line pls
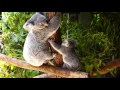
(30, 23)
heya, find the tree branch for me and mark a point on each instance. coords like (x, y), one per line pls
(44, 68)
(107, 68)
(46, 76)
(60, 71)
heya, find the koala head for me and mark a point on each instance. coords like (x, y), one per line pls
(36, 22)
(70, 43)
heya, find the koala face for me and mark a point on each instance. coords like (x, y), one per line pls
(36, 22)
(69, 43)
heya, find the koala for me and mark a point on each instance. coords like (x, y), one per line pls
(36, 47)
(66, 49)
(36, 22)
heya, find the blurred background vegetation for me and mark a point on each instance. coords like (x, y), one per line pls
(97, 35)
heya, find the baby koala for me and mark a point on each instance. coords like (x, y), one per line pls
(66, 49)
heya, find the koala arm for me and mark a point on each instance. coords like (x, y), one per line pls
(53, 26)
(56, 46)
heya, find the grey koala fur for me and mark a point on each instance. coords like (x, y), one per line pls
(36, 22)
(36, 47)
(66, 49)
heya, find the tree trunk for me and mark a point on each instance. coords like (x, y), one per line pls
(56, 38)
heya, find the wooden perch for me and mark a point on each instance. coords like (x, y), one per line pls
(44, 68)
(60, 71)
(46, 76)
(107, 68)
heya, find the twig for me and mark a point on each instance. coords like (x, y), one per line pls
(107, 68)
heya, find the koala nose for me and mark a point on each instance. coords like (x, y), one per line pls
(30, 22)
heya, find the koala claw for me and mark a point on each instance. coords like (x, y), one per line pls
(49, 40)
(54, 55)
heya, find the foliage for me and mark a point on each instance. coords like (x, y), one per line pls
(96, 44)
(14, 36)
(0, 21)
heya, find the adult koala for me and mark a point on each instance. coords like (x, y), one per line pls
(36, 47)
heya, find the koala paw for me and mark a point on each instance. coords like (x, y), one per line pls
(54, 55)
(50, 40)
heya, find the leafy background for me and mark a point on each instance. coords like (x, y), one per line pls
(97, 44)
(14, 36)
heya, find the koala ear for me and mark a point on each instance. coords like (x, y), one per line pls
(72, 42)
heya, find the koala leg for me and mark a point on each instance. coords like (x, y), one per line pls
(50, 61)
(34, 62)
(49, 57)
(66, 66)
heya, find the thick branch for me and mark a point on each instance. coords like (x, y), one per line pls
(45, 68)
(107, 68)
(60, 71)
(46, 76)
